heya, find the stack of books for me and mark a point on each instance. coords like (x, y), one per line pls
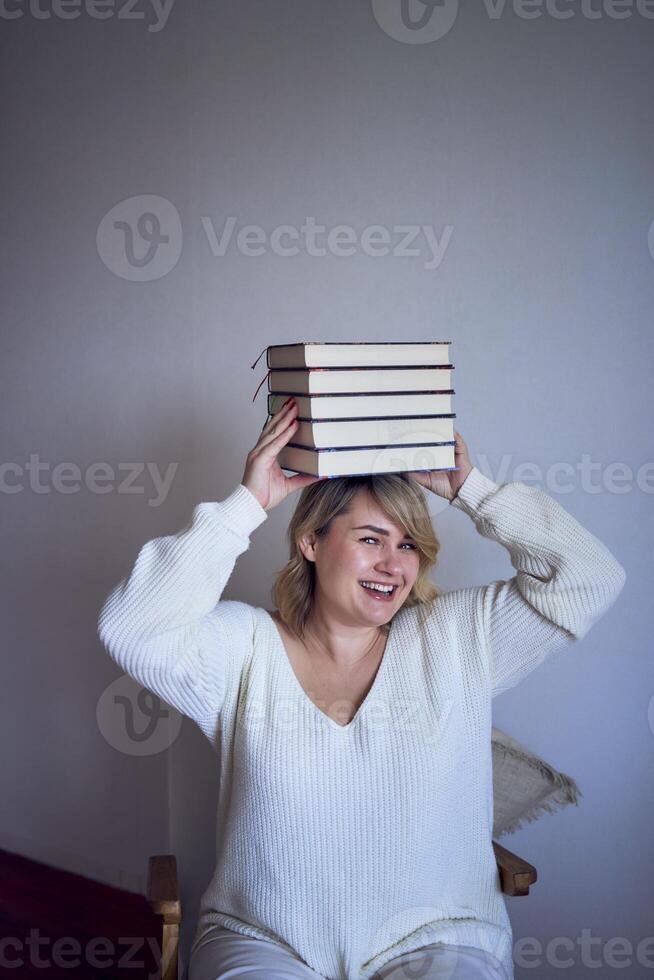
(365, 407)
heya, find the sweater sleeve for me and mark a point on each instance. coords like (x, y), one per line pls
(566, 578)
(164, 625)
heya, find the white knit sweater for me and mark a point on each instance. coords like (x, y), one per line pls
(350, 845)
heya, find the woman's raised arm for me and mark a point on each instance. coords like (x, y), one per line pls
(164, 624)
(566, 578)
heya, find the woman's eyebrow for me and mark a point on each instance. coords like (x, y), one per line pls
(377, 530)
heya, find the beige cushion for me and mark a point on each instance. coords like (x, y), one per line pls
(525, 786)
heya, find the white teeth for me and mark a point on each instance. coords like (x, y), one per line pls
(386, 589)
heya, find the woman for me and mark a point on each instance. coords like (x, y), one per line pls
(353, 723)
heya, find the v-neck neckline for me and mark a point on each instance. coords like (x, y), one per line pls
(382, 670)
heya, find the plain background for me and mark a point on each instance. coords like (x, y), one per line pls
(531, 139)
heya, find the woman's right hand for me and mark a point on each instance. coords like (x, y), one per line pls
(263, 475)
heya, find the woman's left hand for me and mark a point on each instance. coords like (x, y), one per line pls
(446, 483)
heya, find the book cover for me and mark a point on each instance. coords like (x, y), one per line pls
(361, 406)
(360, 380)
(357, 461)
(342, 433)
(358, 354)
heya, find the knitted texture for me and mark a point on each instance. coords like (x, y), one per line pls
(352, 844)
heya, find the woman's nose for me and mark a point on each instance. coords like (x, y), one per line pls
(391, 564)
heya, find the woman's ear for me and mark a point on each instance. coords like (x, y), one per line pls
(307, 545)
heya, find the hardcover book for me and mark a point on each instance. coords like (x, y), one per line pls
(331, 354)
(310, 381)
(340, 433)
(366, 459)
(366, 406)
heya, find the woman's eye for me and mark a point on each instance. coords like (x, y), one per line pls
(413, 547)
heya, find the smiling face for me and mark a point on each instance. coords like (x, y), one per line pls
(362, 545)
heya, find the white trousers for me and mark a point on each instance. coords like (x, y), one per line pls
(228, 955)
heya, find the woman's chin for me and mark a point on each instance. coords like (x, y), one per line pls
(378, 611)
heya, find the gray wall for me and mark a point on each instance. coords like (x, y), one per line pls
(523, 143)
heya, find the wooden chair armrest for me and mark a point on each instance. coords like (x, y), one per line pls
(516, 875)
(162, 893)
(163, 896)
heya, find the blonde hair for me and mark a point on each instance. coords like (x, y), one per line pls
(400, 497)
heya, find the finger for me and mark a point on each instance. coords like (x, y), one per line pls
(422, 478)
(302, 480)
(277, 415)
(281, 419)
(284, 407)
(275, 438)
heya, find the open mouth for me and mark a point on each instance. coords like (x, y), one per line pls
(380, 593)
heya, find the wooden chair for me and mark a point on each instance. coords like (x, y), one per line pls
(163, 896)
(64, 908)
(516, 877)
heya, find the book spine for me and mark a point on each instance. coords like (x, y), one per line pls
(375, 367)
(352, 449)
